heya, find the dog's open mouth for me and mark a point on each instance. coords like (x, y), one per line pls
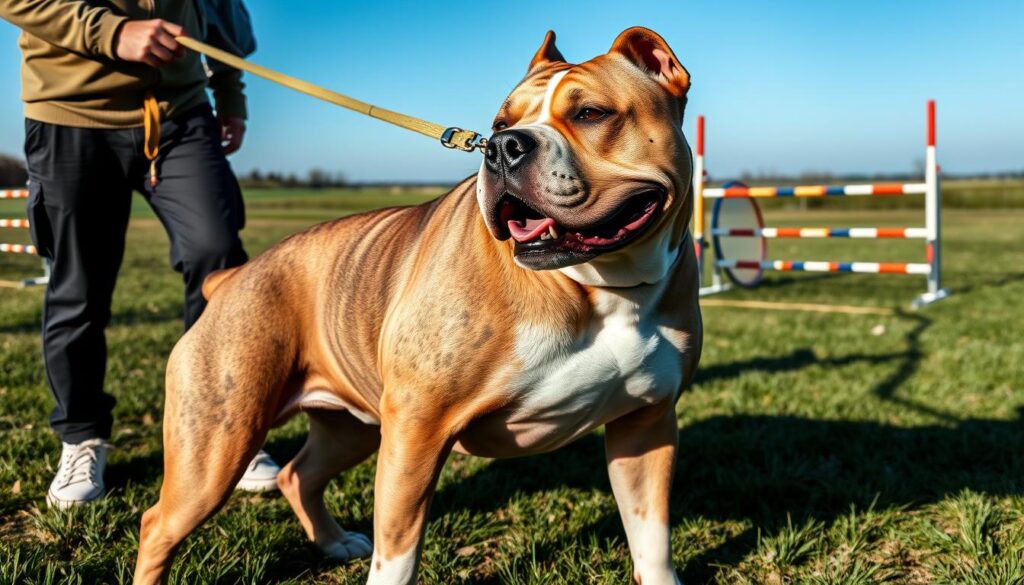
(537, 235)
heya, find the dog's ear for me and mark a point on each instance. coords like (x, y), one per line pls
(648, 51)
(547, 53)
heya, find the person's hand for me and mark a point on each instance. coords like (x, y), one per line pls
(149, 41)
(232, 130)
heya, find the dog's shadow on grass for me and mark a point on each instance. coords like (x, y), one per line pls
(140, 469)
(766, 469)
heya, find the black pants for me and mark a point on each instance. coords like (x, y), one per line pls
(81, 182)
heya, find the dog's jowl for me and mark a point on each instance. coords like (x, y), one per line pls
(550, 294)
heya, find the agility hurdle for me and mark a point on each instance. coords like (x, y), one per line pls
(13, 193)
(737, 228)
(17, 223)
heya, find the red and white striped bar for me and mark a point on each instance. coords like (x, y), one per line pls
(18, 249)
(823, 232)
(818, 190)
(804, 266)
(14, 223)
(13, 193)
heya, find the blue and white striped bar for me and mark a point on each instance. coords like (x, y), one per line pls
(822, 232)
(18, 248)
(803, 266)
(817, 190)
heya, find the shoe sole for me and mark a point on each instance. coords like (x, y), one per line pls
(53, 501)
(257, 485)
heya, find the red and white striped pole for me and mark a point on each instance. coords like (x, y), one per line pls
(698, 199)
(932, 212)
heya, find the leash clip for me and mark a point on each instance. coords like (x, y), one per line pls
(473, 142)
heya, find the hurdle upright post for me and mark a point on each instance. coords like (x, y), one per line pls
(700, 241)
(698, 200)
(933, 217)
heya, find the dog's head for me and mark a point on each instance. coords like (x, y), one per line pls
(588, 163)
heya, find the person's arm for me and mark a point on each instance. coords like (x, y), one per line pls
(228, 91)
(229, 101)
(95, 31)
(229, 28)
(74, 25)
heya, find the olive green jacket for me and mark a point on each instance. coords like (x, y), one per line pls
(71, 76)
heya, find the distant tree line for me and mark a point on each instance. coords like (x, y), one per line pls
(315, 178)
(12, 172)
(13, 175)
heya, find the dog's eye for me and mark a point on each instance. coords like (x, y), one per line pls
(590, 115)
(499, 126)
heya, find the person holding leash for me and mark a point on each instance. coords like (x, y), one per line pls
(113, 103)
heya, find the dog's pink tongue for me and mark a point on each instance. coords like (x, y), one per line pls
(529, 230)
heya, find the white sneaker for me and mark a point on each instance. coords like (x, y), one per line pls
(261, 475)
(79, 478)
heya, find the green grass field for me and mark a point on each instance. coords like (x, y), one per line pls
(815, 447)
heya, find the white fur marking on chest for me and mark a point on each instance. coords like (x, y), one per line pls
(621, 361)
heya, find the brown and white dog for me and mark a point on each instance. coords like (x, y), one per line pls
(551, 294)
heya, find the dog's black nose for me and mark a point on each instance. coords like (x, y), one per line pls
(509, 148)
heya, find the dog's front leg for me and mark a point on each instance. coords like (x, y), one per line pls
(413, 449)
(641, 451)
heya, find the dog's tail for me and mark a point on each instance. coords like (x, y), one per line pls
(215, 279)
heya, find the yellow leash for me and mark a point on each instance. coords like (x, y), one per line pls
(151, 125)
(450, 137)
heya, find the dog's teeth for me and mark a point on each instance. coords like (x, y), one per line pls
(545, 236)
(553, 232)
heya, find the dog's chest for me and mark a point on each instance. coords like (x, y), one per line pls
(623, 359)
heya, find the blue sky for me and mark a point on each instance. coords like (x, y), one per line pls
(786, 86)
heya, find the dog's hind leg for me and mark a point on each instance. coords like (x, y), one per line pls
(336, 442)
(215, 420)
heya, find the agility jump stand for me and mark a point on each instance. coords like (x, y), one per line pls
(21, 248)
(735, 216)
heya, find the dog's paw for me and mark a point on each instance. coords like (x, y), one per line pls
(350, 546)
